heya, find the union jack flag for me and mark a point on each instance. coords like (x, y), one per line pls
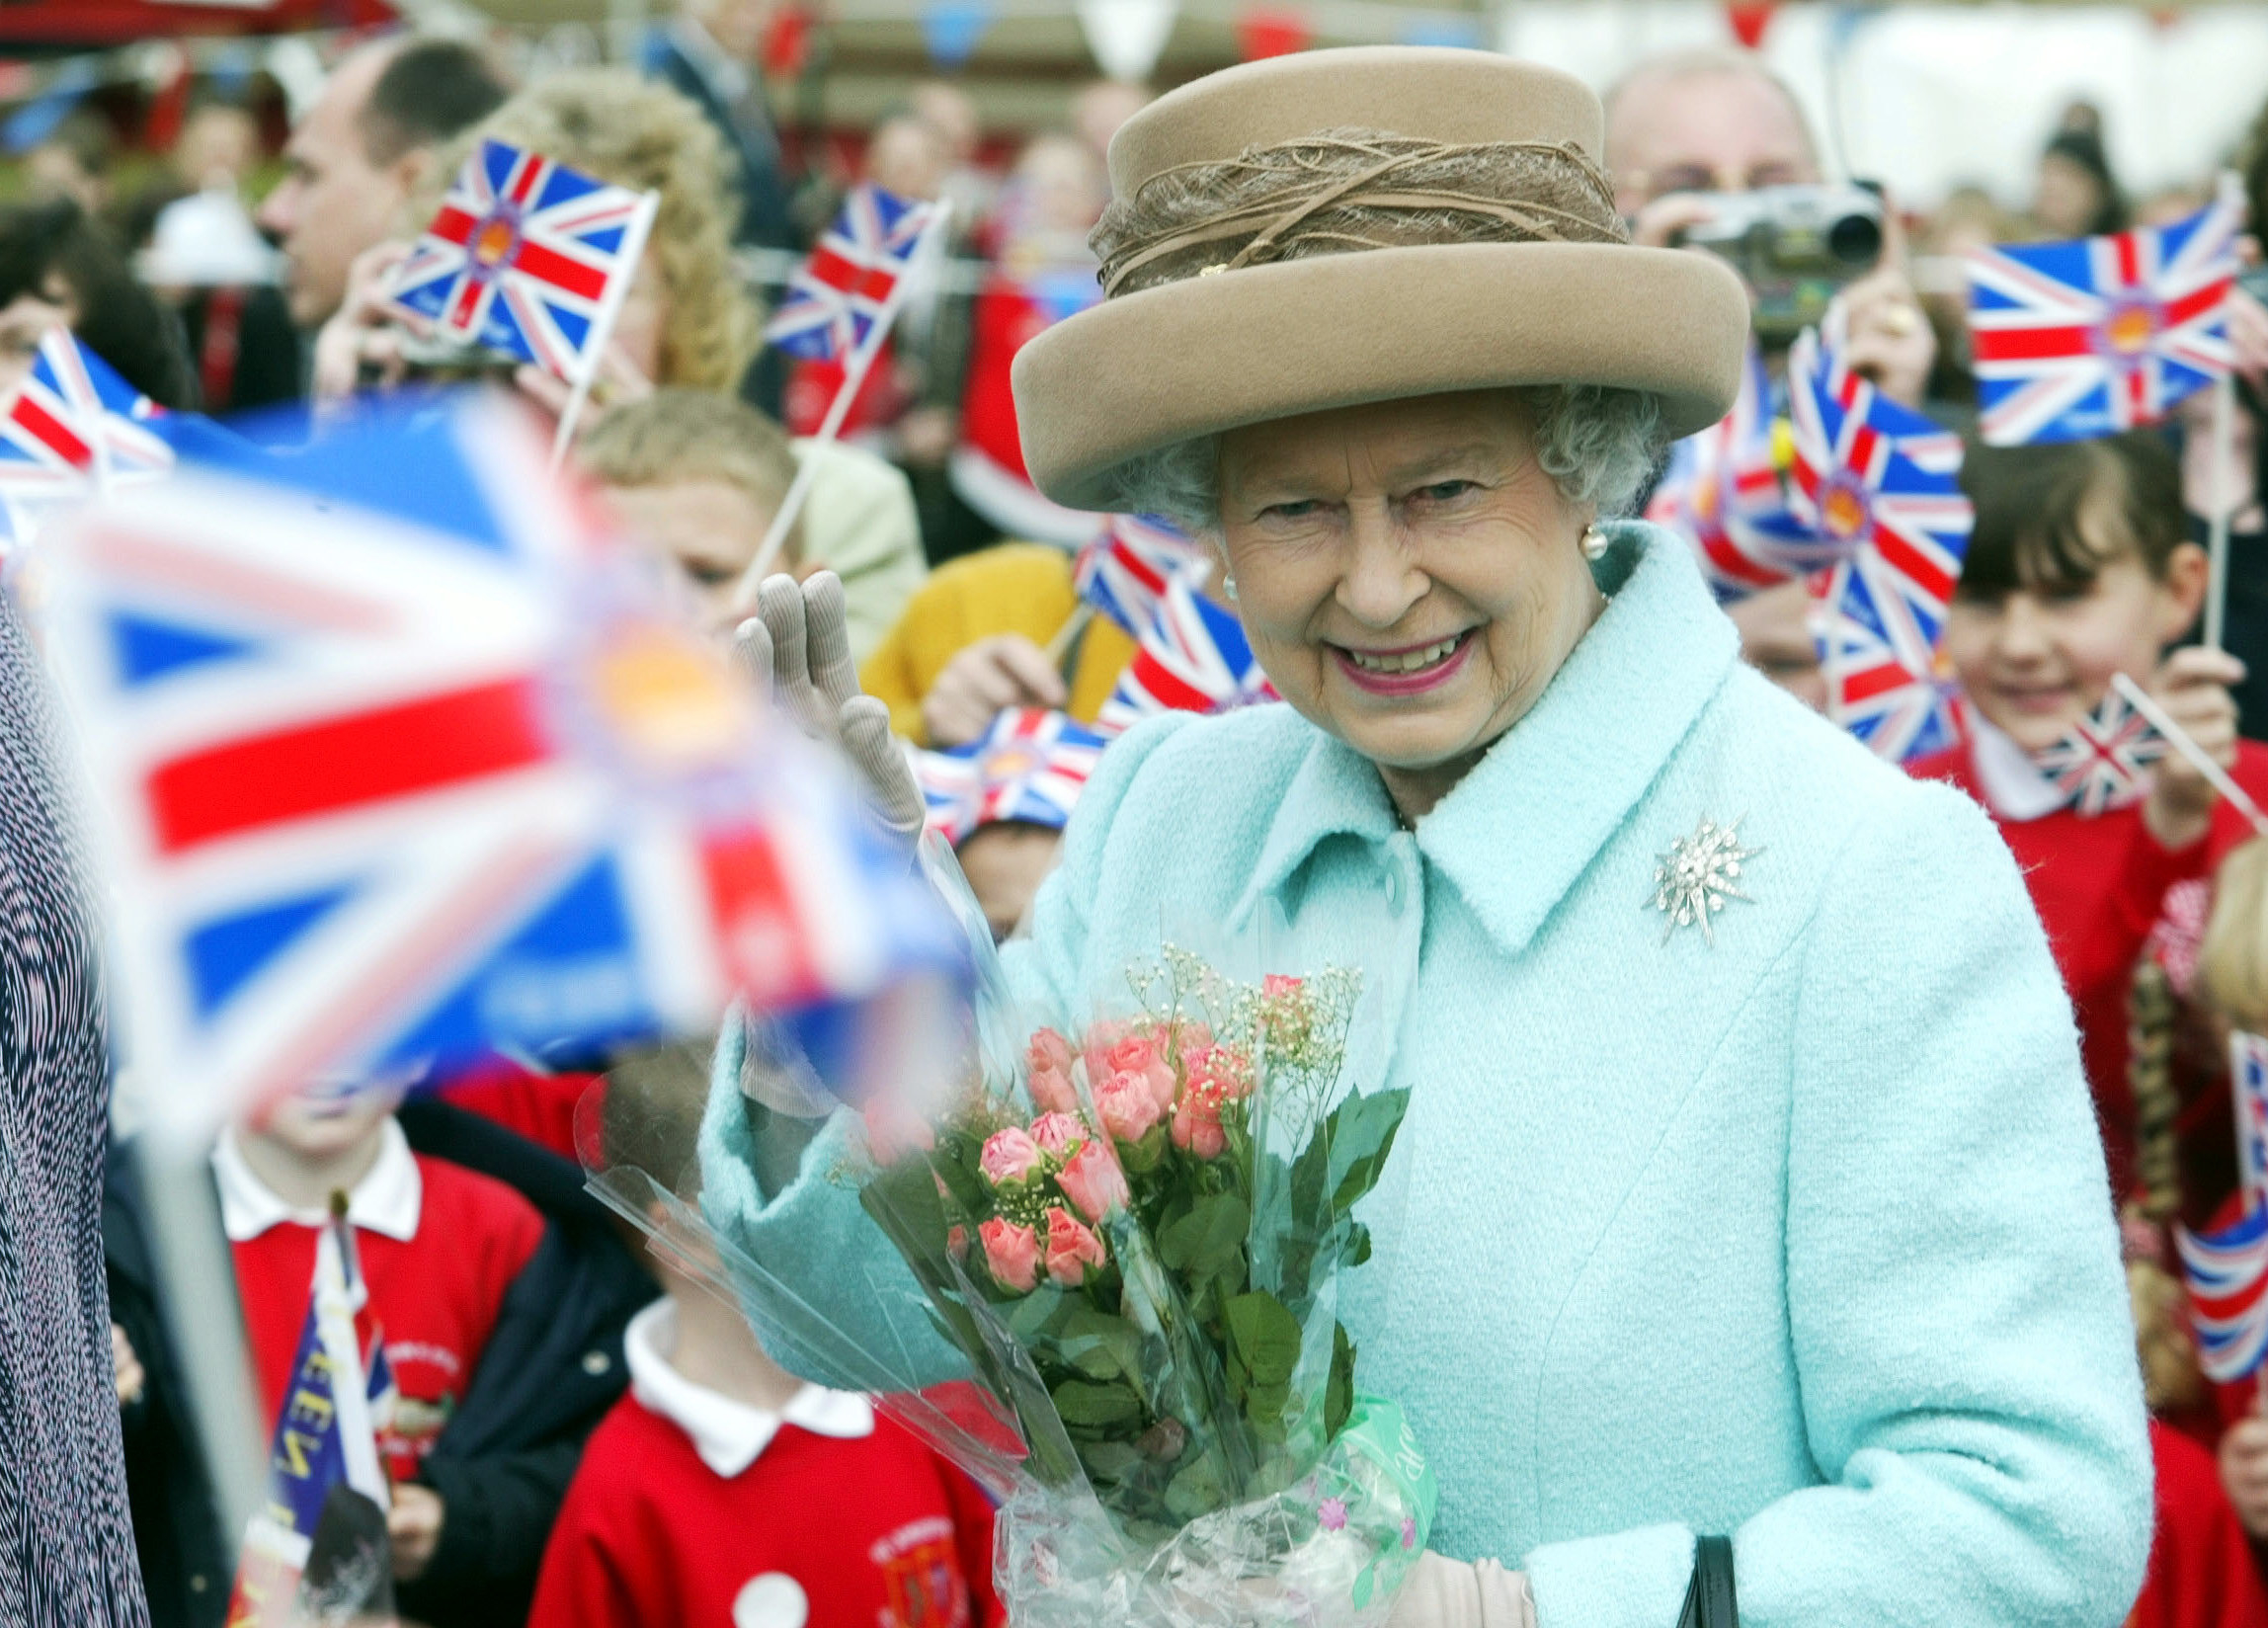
(2102, 763)
(1724, 493)
(325, 1441)
(403, 761)
(2100, 334)
(528, 258)
(1124, 571)
(1193, 658)
(1031, 765)
(838, 295)
(2228, 1275)
(1875, 483)
(76, 427)
(2248, 1072)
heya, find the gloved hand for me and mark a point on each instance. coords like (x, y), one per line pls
(1451, 1594)
(797, 651)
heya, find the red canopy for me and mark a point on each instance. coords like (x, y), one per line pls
(115, 22)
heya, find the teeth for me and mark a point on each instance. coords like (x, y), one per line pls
(1409, 661)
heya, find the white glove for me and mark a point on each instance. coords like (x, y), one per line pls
(797, 650)
(1451, 1594)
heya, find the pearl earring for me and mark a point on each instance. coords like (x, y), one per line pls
(1228, 587)
(1594, 542)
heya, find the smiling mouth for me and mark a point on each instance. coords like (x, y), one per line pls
(1397, 663)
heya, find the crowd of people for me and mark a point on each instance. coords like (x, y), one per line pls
(584, 1432)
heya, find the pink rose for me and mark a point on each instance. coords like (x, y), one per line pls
(1009, 1155)
(1095, 1047)
(1224, 1070)
(1048, 1049)
(1192, 1037)
(1277, 983)
(1127, 1106)
(957, 1242)
(1013, 1254)
(1051, 1091)
(1092, 1181)
(1057, 1134)
(1198, 1121)
(1142, 1055)
(1072, 1251)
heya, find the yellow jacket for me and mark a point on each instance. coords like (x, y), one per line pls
(1011, 588)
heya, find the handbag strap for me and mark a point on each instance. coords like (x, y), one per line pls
(1710, 1601)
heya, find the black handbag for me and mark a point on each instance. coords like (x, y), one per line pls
(1710, 1601)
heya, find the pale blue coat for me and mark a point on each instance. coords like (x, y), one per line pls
(1802, 1237)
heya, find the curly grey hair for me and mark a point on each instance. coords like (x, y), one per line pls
(1600, 446)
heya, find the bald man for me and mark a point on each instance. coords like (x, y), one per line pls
(360, 152)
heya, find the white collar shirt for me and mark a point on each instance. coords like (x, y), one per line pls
(728, 1435)
(2013, 786)
(387, 1200)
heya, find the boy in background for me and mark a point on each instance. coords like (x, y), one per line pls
(722, 1489)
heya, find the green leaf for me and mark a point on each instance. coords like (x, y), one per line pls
(1339, 1392)
(1095, 1407)
(1202, 1243)
(1109, 1461)
(1198, 1487)
(1098, 1345)
(1027, 1319)
(1360, 1131)
(1265, 1338)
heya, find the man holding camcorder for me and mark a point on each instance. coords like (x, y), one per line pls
(1709, 150)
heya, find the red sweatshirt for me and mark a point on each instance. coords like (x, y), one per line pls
(830, 1530)
(2100, 887)
(2202, 1573)
(438, 1245)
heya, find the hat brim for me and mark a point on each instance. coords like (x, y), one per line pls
(1207, 353)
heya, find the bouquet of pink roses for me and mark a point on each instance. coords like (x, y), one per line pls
(1137, 1245)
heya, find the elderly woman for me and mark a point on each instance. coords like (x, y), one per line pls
(1752, 1185)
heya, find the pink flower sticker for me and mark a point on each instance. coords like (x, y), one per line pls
(1332, 1512)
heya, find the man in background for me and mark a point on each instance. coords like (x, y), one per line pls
(360, 151)
(712, 52)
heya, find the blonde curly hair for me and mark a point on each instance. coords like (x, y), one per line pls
(609, 123)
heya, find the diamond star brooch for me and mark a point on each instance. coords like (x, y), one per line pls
(1698, 875)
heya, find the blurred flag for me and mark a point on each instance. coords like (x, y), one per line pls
(2103, 762)
(1875, 483)
(324, 1448)
(76, 427)
(528, 258)
(2248, 1072)
(1030, 765)
(2227, 1273)
(1192, 658)
(2100, 334)
(987, 469)
(1723, 492)
(405, 763)
(1125, 570)
(839, 294)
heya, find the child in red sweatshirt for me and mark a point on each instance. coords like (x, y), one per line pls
(2078, 568)
(723, 1490)
(439, 1246)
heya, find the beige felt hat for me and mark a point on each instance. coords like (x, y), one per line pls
(1249, 339)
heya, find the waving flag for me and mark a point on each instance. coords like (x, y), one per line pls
(2103, 762)
(2100, 334)
(325, 1447)
(529, 259)
(1125, 570)
(839, 294)
(404, 762)
(1724, 493)
(1876, 482)
(76, 427)
(2228, 1275)
(1030, 765)
(2248, 1074)
(1193, 658)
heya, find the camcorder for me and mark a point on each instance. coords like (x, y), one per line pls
(1796, 246)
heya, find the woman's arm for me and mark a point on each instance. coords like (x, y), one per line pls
(1955, 1301)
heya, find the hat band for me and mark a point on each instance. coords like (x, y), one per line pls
(1275, 222)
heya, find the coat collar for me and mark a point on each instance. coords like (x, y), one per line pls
(728, 1435)
(1578, 762)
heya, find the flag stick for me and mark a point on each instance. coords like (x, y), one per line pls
(199, 1278)
(603, 321)
(2217, 534)
(1068, 634)
(854, 377)
(2199, 758)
